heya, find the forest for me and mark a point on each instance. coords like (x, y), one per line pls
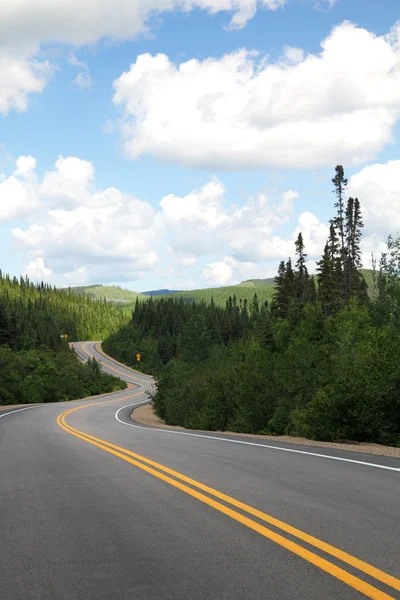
(36, 363)
(320, 360)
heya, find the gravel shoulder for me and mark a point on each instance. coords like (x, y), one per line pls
(145, 416)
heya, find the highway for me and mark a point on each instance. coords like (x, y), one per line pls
(96, 507)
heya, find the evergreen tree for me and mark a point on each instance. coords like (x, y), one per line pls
(328, 288)
(279, 298)
(356, 283)
(340, 184)
(301, 276)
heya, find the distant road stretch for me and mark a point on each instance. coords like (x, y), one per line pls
(97, 507)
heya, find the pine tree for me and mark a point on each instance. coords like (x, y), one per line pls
(301, 276)
(356, 283)
(278, 302)
(311, 290)
(340, 184)
(328, 283)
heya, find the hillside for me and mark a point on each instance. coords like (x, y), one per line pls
(111, 293)
(36, 324)
(160, 292)
(221, 295)
(264, 288)
(257, 282)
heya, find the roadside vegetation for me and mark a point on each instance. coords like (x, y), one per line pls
(36, 363)
(321, 359)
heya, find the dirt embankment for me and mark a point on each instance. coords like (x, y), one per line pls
(145, 415)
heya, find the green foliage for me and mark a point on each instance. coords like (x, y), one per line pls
(43, 375)
(322, 363)
(36, 364)
(220, 295)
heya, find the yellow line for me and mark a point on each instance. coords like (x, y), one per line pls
(365, 588)
(126, 367)
(107, 366)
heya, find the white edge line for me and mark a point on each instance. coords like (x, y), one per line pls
(220, 439)
(19, 410)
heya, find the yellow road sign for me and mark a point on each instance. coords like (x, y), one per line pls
(138, 357)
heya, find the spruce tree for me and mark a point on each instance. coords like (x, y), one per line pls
(340, 184)
(328, 288)
(301, 276)
(278, 302)
(353, 227)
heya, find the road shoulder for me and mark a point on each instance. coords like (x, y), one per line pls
(146, 416)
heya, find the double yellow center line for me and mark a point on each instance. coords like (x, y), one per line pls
(198, 490)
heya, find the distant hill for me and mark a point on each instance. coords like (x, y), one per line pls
(220, 295)
(264, 288)
(257, 282)
(160, 292)
(111, 293)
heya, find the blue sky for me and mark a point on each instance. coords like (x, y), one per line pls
(216, 157)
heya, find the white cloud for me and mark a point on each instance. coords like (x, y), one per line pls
(218, 273)
(20, 76)
(74, 61)
(80, 23)
(378, 189)
(84, 81)
(70, 182)
(230, 271)
(18, 193)
(293, 55)
(203, 223)
(240, 111)
(37, 271)
(26, 166)
(26, 25)
(78, 234)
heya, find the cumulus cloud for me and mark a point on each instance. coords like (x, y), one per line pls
(243, 111)
(78, 23)
(77, 233)
(378, 188)
(25, 25)
(230, 271)
(69, 183)
(202, 222)
(18, 192)
(21, 76)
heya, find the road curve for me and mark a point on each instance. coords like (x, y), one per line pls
(93, 507)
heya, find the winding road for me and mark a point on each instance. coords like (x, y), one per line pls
(97, 507)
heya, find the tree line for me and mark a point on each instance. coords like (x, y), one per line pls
(321, 360)
(36, 363)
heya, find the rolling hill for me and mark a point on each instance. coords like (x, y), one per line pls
(264, 288)
(111, 293)
(244, 291)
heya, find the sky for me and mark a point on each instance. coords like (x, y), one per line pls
(185, 143)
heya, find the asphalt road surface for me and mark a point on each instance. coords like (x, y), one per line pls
(95, 507)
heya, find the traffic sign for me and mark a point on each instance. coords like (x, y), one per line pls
(138, 357)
